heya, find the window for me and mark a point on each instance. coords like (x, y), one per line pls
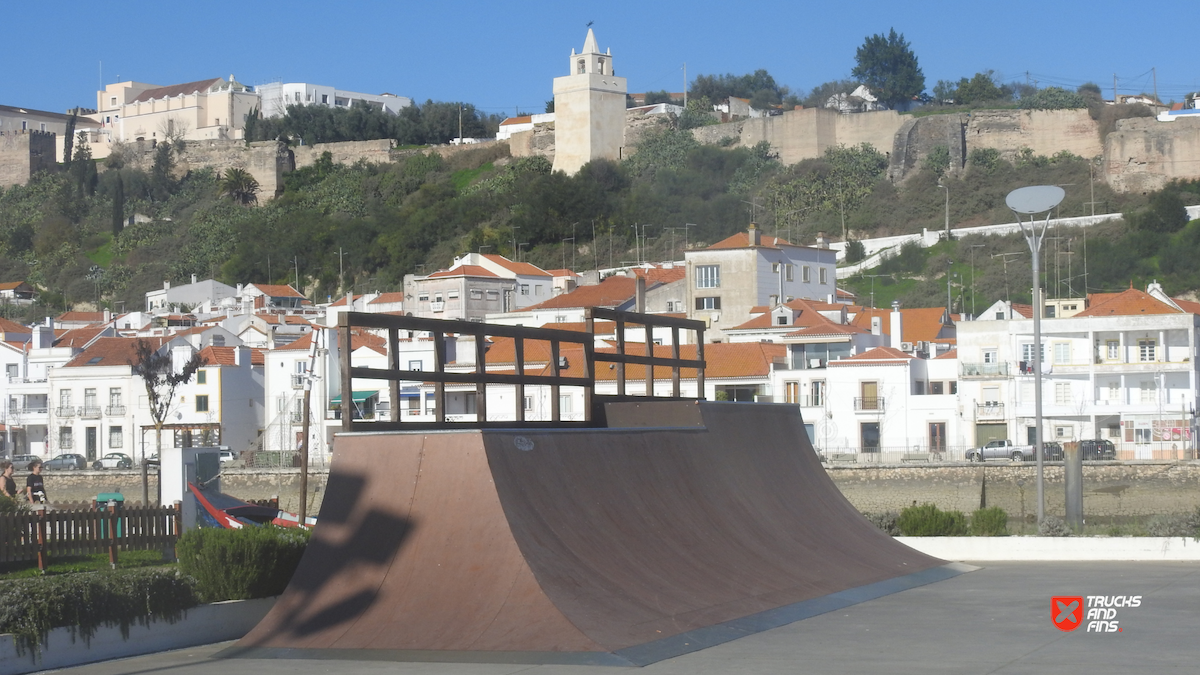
(12, 369)
(476, 294)
(953, 387)
(708, 276)
(806, 274)
(936, 388)
(325, 98)
(708, 303)
(991, 396)
(1114, 392)
(452, 294)
(1062, 352)
(817, 387)
(537, 289)
(66, 438)
(791, 392)
(1062, 432)
(114, 396)
(990, 356)
(414, 364)
(601, 62)
(423, 296)
(1062, 393)
(788, 272)
(528, 403)
(1027, 353)
(493, 295)
(202, 403)
(1146, 349)
(1149, 391)
(824, 275)
(201, 377)
(524, 289)
(564, 405)
(297, 96)
(581, 67)
(64, 398)
(437, 297)
(781, 320)
(112, 100)
(1112, 350)
(116, 437)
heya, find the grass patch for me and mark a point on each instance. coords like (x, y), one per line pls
(465, 177)
(103, 255)
(84, 563)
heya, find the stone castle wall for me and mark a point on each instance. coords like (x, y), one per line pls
(1110, 490)
(1046, 132)
(1143, 155)
(23, 154)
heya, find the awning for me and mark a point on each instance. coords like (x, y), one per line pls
(356, 397)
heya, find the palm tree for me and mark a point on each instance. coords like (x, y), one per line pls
(239, 185)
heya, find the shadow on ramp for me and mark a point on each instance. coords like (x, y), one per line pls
(623, 545)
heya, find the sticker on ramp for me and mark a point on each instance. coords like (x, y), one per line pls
(1067, 612)
(523, 443)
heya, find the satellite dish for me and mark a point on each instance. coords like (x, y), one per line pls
(1035, 198)
(178, 415)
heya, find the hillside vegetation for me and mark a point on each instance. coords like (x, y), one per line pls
(363, 227)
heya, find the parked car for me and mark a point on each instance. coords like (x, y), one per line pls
(1000, 449)
(114, 460)
(68, 461)
(227, 456)
(1097, 449)
(1052, 451)
(22, 461)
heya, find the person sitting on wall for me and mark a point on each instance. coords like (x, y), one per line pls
(8, 486)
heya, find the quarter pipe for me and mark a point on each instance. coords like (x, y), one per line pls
(678, 526)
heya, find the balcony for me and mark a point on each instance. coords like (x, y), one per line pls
(812, 401)
(297, 380)
(869, 403)
(64, 411)
(89, 412)
(66, 444)
(297, 417)
(983, 370)
(115, 411)
(990, 410)
(34, 410)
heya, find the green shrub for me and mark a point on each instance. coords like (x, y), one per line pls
(253, 562)
(885, 521)
(1175, 525)
(10, 505)
(989, 522)
(928, 520)
(29, 608)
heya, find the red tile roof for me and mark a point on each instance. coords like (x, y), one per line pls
(111, 351)
(341, 302)
(78, 317)
(952, 354)
(660, 275)
(78, 337)
(10, 285)
(1130, 302)
(278, 290)
(742, 240)
(879, 356)
(920, 324)
(523, 119)
(465, 271)
(8, 326)
(358, 338)
(613, 291)
(177, 89)
(516, 267)
(809, 314)
(224, 356)
(388, 298)
(561, 273)
(723, 360)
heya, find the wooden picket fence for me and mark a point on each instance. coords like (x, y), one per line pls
(44, 534)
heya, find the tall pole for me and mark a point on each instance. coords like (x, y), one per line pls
(947, 210)
(949, 304)
(684, 86)
(1031, 201)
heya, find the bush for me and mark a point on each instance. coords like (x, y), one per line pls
(989, 522)
(29, 608)
(1175, 525)
(928, 520)
(253, 562)
(885, 521)
(9, 505)
(1053, 526)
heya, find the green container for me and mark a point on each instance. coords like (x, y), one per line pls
(102, 501)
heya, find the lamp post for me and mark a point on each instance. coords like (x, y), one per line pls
(947, 209)
(973, 247)
(1032, 201)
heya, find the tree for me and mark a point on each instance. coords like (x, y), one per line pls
(158, 371)
(239, 185)
(888, 66)
(69, 138)
(820, 94)
(118, 212)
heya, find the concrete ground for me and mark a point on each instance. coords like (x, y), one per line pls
(994, 620)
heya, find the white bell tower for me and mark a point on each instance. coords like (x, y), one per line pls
(589, 109)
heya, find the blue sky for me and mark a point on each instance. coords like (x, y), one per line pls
(503, 56)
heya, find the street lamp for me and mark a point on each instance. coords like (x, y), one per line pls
(947, 209)
(1031, 201)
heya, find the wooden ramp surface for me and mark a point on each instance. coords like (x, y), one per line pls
(622, 545)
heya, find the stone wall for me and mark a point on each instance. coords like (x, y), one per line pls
(1110, 490)
(1046, 132)
(806, 134)
(918, 136)
(266, 161)
(23, 154)
(1143, 154)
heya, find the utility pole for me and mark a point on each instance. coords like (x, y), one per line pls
(1004, 258)
(460, 124)
(949, 302)
(347, 410)
(973, 247)
(684, 86)
(1154, 73)
(341, 271)
(296, 261)
(1114, 88)
(947, 210)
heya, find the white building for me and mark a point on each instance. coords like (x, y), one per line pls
(277, 96)
(1124, 369)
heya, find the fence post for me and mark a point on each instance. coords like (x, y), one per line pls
(178, 522)
(111, 514)
(41, 538)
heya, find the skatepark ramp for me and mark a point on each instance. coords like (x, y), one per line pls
(677, 525)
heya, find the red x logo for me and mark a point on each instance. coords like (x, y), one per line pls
(1066, 612)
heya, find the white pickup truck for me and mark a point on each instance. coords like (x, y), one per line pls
(1001, 449)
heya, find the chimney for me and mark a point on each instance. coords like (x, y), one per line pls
(753, 235)
(640, 295)
(193, 278)
(897, 326)
(166, 285)
(241, 355)
(822, 240)
(876, 325)
(107, 315)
